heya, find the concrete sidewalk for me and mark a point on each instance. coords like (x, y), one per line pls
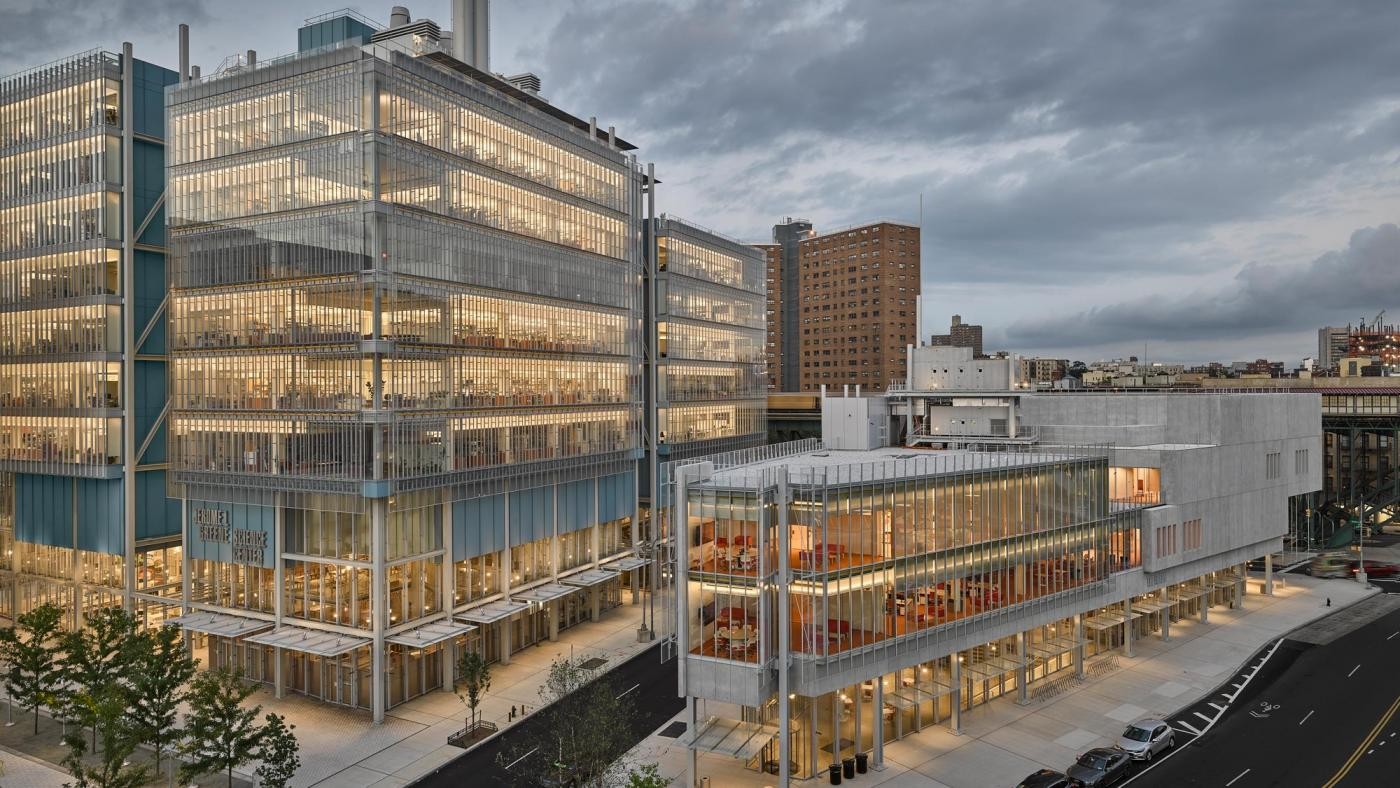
(1002, 742)
(342, 747)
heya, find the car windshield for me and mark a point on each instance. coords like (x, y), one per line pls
(1091, 761)
(1134, 733)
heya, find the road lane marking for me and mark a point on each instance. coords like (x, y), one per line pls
(1306, 716)
(1365, 744)
(1393, 634)
(1217, 706)
(1237, 777)
(1204, 717)
(1184, 728)
(1353, 670)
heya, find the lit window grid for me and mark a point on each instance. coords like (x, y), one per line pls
(686, 258)
(696, 341)
(696, 300)
(95, 328)
(437, 183)
(318, 242)
(683, 381)
(72, 163)
(60, 98)
(435, 116)
(689, 423)
(47, 277)
(60, 385)
(292, 178)
(981, 530)
(321, 103)
(54, 444)
(64, 220)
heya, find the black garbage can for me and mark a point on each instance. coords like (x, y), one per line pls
(862, 762)
(848, 767)
(835, 772)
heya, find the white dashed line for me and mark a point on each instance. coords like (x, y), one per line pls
(1353, 670)
(1237, 777)
(1393, 634)
(1204, 717)
(1217, 707)
(1306, 716)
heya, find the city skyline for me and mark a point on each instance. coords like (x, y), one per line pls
(1197, 153)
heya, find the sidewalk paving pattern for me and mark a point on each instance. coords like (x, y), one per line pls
(1002, 742)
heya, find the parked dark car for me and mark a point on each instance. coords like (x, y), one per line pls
(1099, 767)
(1046, 778)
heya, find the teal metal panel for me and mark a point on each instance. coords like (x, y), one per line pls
(150, 291)
(617, 496)
(576, 505)
(148, 96)
(156, 450)
(478, 527)
(148, 181)
(531, 515)
(44, 509)
(100, 524)
(150, 395)
(156, 514)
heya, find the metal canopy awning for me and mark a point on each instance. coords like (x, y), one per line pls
(542, 594)
(493, 612)
(626, 564)
(430, 634)
(1054, 647)
(221, 624)
(735, 738)
(310, 641)
(1150, 606)
(922, 691)
(590, 578)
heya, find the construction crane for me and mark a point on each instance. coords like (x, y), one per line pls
(1379, 315)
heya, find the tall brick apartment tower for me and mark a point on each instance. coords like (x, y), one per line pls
(841, 305)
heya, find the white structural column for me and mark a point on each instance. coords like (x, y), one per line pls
(1269, 574)
(128, 219)
(783, 582)
(279, 530)
(877, 717)
(448, 599)
(1023, 672)
(378, 615)
(1078, 645)
(1166, 615)
(505, 623)
(1127, 626)
(955, 667)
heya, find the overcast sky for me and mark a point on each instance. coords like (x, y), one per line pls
(1197, 178)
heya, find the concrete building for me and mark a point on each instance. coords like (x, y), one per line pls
(960, 334)
(838, 596)
(1046, 371)
(406, 361)
(84, 518)
(783, 346)
(1331, 346)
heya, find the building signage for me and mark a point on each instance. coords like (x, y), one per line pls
(248, 547)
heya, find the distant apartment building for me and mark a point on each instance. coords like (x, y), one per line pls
(1040, 370)
(783, 278)
(841, 305)
(961, 334)
(84, 518)
(1331, 346)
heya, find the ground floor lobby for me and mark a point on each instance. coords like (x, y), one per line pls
(1025, 668)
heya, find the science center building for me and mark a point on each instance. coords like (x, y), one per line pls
(405, 416)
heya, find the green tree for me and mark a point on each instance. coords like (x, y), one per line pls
(585, 715)
(476, 678)
(647, 776)
(162, 667)
(119, 738)
(278, 753)
(97, 658)
(33, 658)
(220, 732)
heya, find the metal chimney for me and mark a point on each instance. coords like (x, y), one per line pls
(184, 53)
(398, 17)
(471, 32)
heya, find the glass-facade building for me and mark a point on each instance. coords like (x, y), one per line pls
(406, 325)
(84, 518)
(711, 396)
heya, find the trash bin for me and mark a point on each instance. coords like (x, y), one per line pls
(862, 762)
(848, 767)
(835, 772)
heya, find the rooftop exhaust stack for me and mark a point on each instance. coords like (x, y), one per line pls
(471, 33)
(398, 17)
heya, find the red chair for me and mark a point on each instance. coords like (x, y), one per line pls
(730, 616)
(841, 629)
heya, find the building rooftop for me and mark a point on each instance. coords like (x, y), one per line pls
(833, 466)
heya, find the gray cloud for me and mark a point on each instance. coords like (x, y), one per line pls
(1262, 301)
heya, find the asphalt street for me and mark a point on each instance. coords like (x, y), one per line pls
(651, 682)
(1326, 715)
